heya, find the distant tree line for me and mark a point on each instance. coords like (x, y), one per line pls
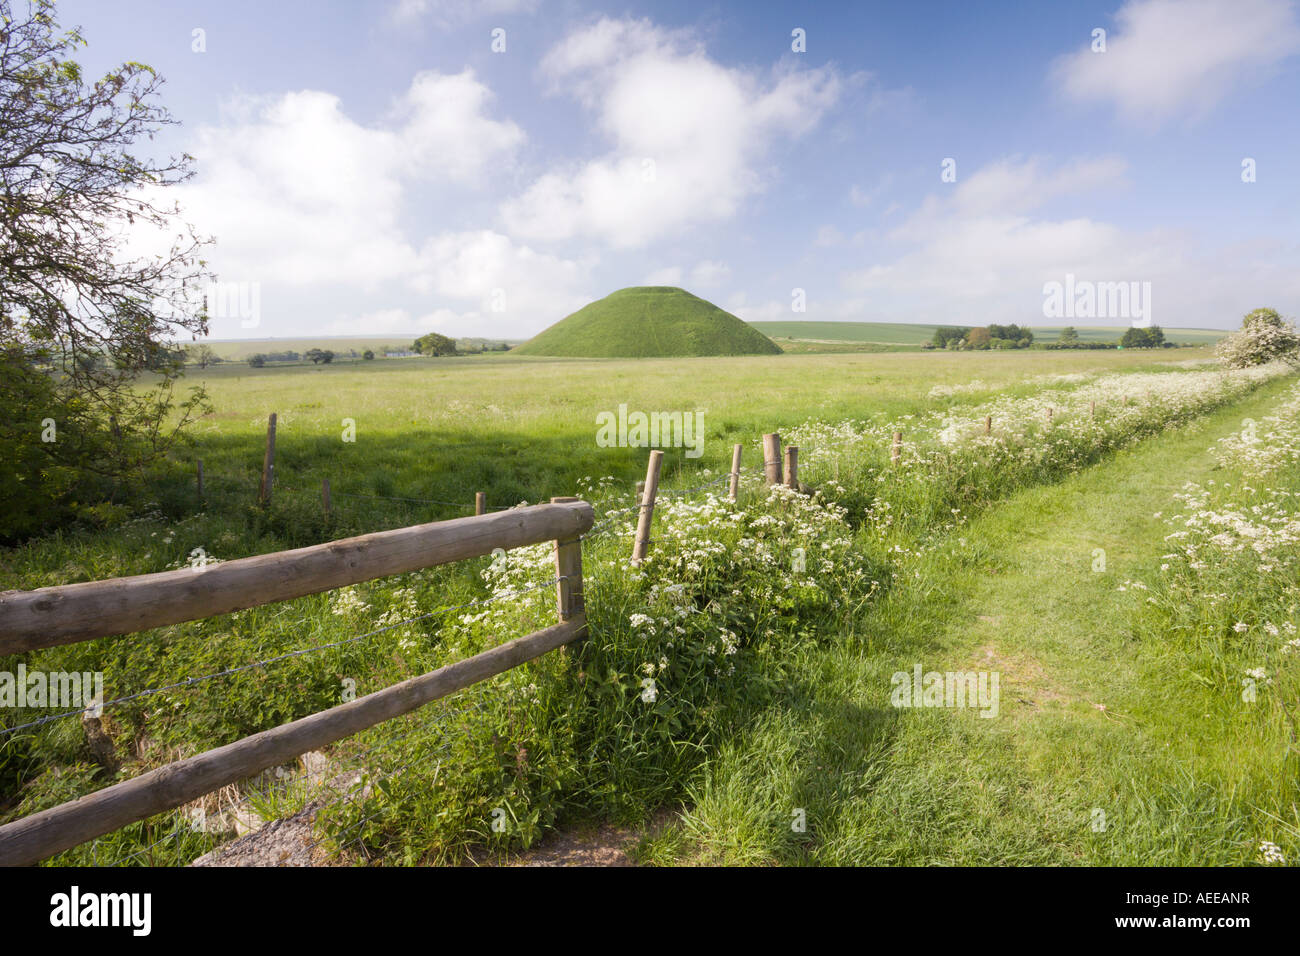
(261, 358)
(982, 337)
(435, 344)
(1018, 337)
(1148, 338)
(1133, 338)
(432, 344)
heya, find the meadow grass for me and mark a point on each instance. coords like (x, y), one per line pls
(1121, 739)
(570, 736)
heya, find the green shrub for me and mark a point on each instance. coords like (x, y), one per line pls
(38, 484)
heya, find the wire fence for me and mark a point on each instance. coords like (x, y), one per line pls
(194, 681)
(608, 522)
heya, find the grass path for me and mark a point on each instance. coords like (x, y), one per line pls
(1087, 725)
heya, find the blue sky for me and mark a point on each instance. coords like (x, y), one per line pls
(375, 167)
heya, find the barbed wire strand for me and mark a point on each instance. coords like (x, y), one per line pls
(177, 831)
(291, 654)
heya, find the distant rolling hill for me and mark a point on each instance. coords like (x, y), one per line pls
(891, 333)
(648, 322)
(234, 350)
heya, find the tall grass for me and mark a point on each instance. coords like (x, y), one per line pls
(682, 650)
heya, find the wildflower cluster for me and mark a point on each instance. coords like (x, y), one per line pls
(1224, 609)
(961, 455)
(1235, 544)
(1261, 448)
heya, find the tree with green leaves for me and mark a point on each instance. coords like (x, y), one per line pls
(947, 334)
(75, 305)
(1069, 336)
(202, 355)
(1135, 338)
(435, 344)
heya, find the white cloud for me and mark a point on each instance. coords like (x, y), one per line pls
(293, 187)
(983, 254)
(687, 135)
(1173, 57)
(302, 197)
(446, 131)
(494, 273)
(1015, 186)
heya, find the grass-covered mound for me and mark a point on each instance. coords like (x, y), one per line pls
(649, 322)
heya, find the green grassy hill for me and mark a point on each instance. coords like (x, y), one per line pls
(891, 333)
(649, 322)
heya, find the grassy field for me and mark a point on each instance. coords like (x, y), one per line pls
(1122, 737)
(772, 687)
(888, 333)
(525, 429)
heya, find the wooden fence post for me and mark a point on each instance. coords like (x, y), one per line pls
(268, 463)
(792, 467)
(988, 424)
(325, 496)
(480, 502)
(642, 543)
(200, 479)
(772, 458)
(1049, 414)
(1092, 410)
(568, 574)
(734, 487)
(897, 449)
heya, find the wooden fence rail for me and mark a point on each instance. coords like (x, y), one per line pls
(78, 612)
(70, 613)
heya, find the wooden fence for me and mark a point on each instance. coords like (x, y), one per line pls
(71, 613)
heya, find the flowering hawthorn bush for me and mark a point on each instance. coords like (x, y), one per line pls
(1264, 337)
